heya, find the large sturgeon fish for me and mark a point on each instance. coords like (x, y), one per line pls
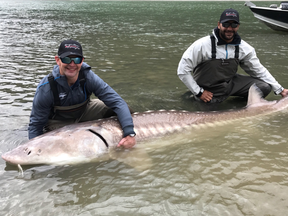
(85, 142)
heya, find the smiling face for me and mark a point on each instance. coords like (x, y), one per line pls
(71, 71)
(227, 33)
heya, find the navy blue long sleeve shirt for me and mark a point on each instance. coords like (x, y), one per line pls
(44, 100)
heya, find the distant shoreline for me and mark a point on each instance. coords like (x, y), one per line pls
(169, 0)
(183, 0)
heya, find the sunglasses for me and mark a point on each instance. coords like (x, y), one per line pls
(227, 24)
(68, 60)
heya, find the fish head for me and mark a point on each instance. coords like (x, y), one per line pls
(23, 155)
(61, 147)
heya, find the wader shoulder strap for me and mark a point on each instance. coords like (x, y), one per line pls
(213, 47)
(237, 51)
(82, 81)
(53, 86)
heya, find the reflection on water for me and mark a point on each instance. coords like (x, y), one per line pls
(233, 171)
(237, 169)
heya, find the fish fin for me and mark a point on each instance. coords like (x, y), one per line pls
(135, 157)
(255, 96)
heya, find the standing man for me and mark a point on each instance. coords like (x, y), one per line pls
(63, 97)
(214, 61)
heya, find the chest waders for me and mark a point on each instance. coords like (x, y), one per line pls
(216, 75)
(73, 112)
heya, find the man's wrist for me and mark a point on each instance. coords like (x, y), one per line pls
(132, 135)
(128, 130)
(200, 92)
(279, 90)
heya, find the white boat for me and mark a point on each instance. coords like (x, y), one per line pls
(275, 17)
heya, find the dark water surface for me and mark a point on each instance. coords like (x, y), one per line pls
(237, 169)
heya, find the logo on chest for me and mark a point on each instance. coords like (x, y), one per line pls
(62, 96)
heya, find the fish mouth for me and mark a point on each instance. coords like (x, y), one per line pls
(14, 161)
(6, 157)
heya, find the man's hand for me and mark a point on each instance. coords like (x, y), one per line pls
(284, 93)
(206, 96)
(127, 142)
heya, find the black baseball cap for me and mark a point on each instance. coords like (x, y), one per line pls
(70, 47)
(228, 15)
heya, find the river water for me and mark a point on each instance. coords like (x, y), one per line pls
(237, 169)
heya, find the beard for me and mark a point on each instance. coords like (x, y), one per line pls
(227, 35)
